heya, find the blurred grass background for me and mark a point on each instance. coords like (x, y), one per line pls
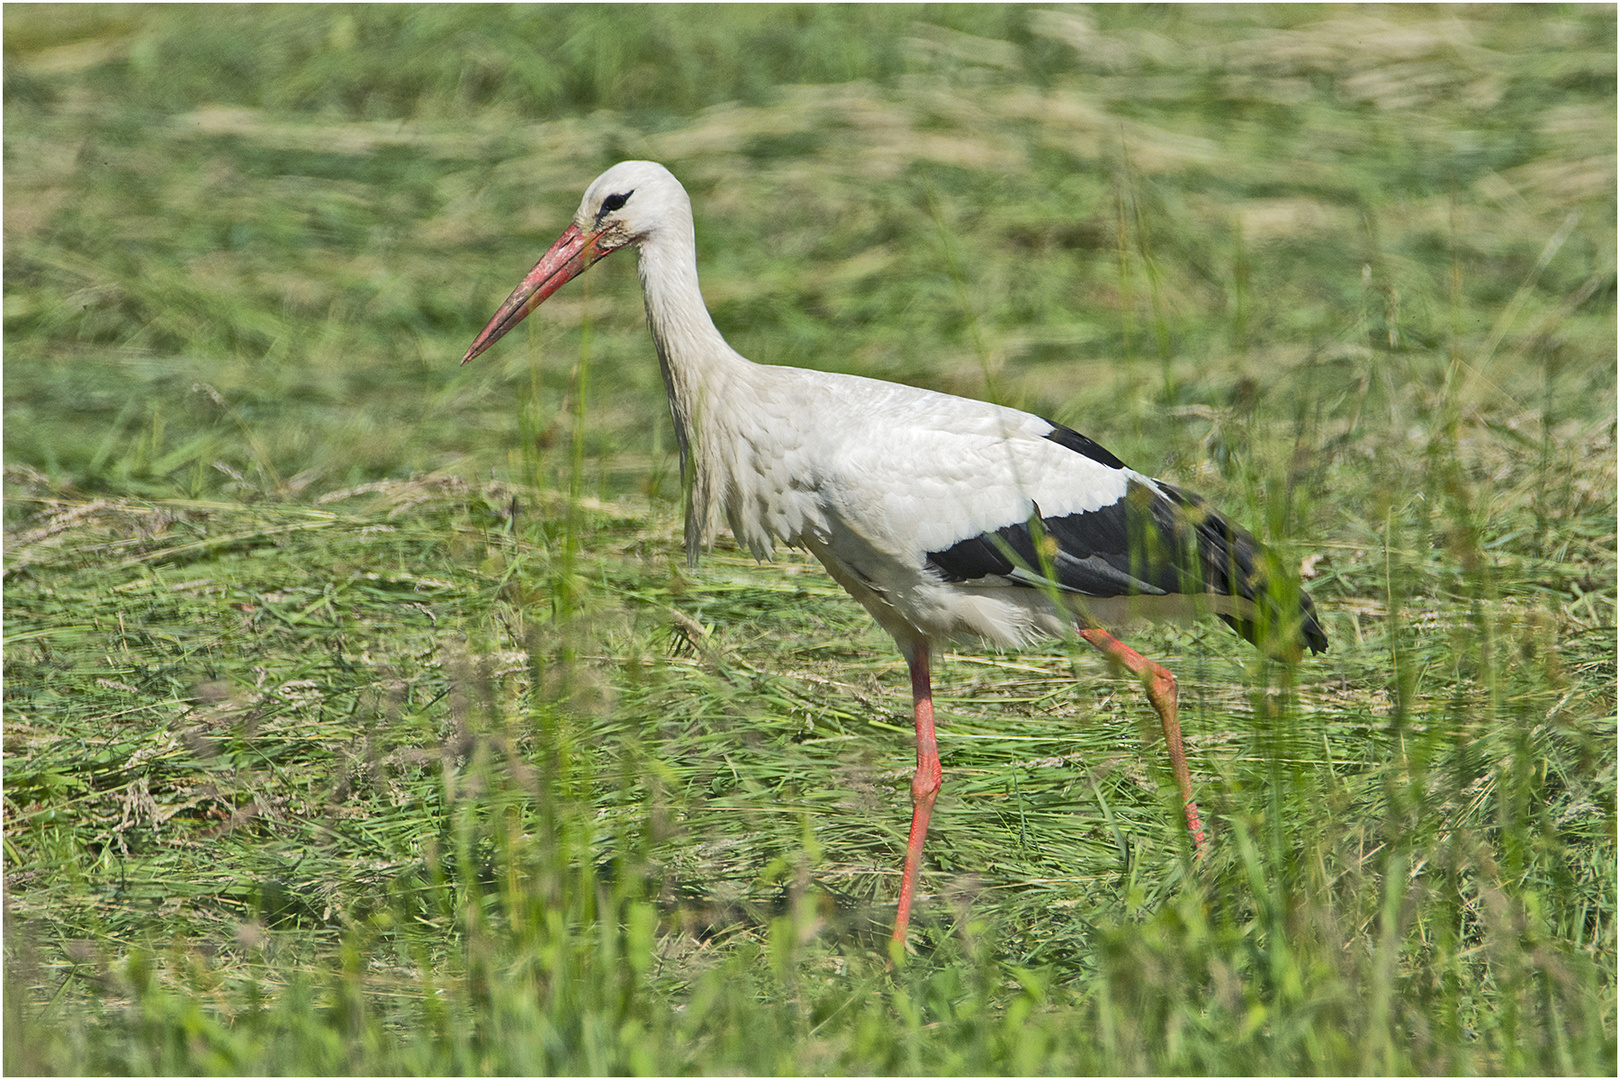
(361, 717)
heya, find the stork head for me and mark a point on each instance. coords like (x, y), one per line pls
(625, 205)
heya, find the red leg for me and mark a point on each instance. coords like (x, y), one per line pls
(924, 783)
(1161, 691)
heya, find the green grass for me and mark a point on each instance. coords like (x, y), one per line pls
(361, 714)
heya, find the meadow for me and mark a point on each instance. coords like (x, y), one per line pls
(361, 714)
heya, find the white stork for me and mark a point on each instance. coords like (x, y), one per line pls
(942, 515)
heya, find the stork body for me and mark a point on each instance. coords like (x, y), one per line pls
(944, 516)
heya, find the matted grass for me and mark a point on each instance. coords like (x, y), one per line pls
(362, 716)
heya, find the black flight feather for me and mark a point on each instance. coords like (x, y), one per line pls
(1153, 542)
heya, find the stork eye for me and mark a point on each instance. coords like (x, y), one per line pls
(612, 203)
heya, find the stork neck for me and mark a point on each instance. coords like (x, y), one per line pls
(701, 372)
(690, 347)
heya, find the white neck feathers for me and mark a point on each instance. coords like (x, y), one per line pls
(701, 372)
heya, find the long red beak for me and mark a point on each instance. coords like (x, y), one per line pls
(569, 256)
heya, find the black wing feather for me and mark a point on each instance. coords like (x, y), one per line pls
(1155, 541)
